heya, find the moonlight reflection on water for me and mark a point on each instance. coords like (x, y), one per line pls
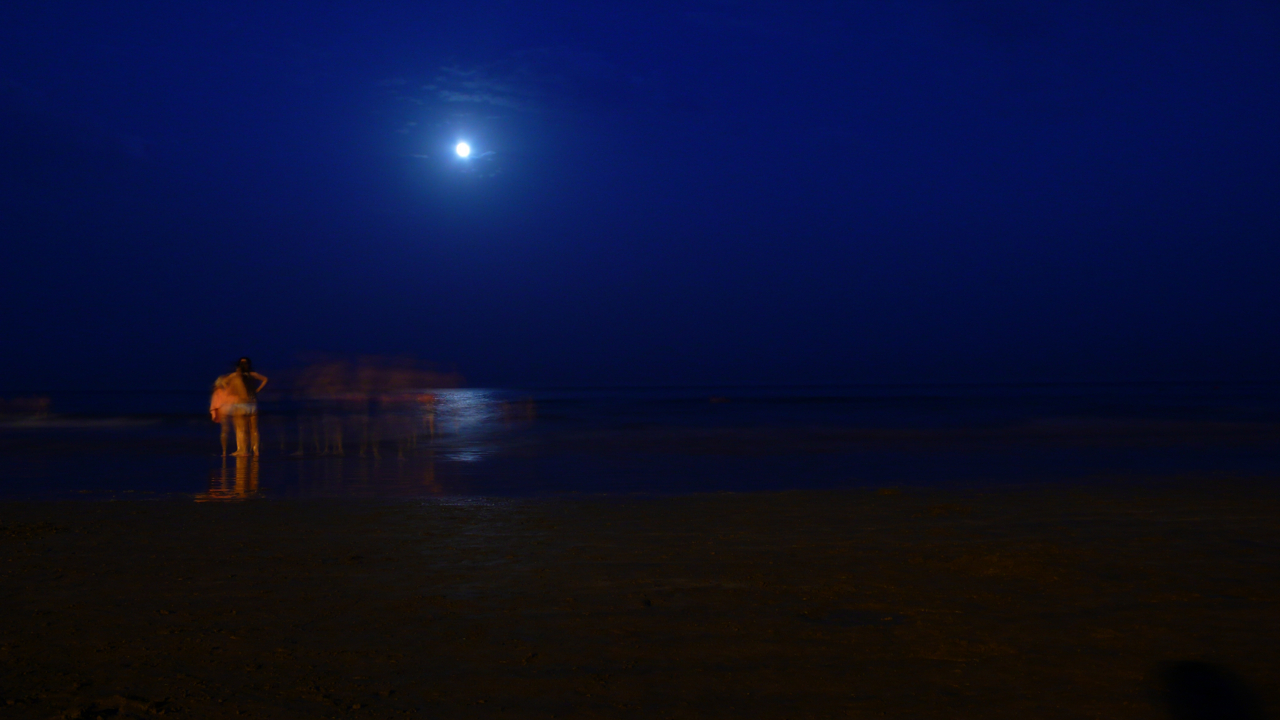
(493, 442)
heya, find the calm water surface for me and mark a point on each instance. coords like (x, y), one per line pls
(486, 442)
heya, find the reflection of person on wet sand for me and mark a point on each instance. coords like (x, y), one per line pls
(240, 486)
(243, 391)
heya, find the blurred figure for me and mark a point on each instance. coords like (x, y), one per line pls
(519, 411)
(243, 385)
(220, 409)
(322, 387)
(375, 401)
(27, 408)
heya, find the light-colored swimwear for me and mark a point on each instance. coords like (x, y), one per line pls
(242, 401)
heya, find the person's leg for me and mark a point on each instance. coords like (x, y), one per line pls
(253, 433)
(226, 431)
(242, 435)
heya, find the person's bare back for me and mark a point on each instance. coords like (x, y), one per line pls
(243, 406)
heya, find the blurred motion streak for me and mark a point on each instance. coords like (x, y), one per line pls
(25, 408)
(373, 402)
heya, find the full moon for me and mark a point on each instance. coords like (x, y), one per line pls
(463, 149)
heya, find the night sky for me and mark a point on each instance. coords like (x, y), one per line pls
(660, 193)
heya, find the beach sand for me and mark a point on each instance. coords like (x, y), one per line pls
(1052, 602)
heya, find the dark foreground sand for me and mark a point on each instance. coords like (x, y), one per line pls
(1019, 603)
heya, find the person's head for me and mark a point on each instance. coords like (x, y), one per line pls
(244, 365)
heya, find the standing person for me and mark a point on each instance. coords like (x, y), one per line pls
(220, 409)
(241, 385)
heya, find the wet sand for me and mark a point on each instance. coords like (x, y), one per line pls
(1051, 602)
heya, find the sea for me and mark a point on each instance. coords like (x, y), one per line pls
(463, 444)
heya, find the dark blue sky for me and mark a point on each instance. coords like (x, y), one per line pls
(661, 193)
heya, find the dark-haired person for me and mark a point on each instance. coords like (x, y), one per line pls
(241, 385)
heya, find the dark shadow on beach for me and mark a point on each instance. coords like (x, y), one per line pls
(1197, 690)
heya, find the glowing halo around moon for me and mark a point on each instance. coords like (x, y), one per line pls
(462, 149)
